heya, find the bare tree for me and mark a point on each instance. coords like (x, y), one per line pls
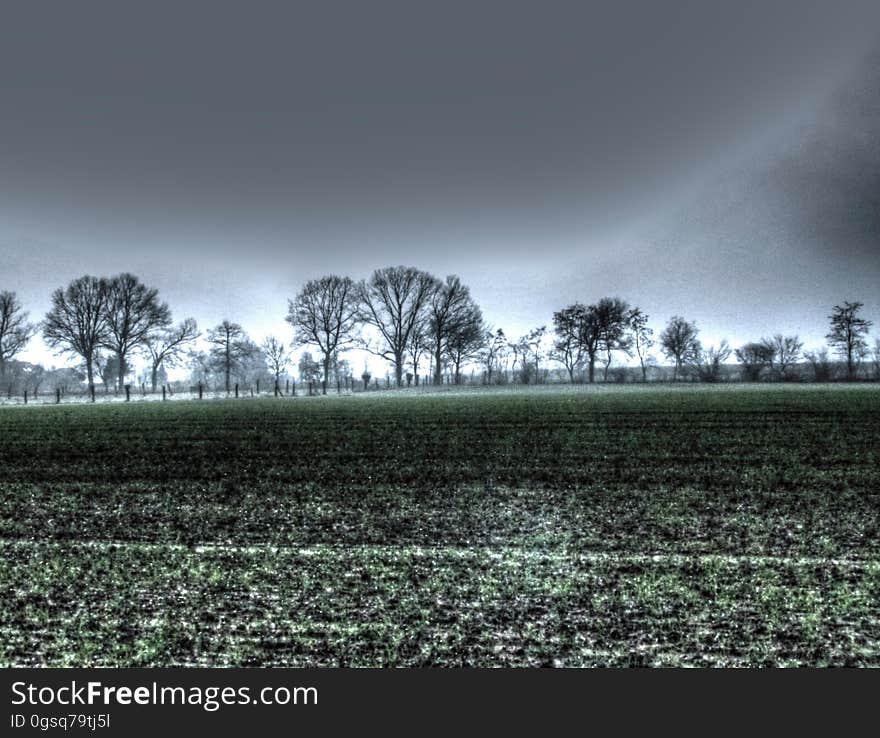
(277, 357)
(641, 338)
(611, 316)
(452, 316)
(132, 313)
(15, 330)
(679, 343)
(600, 329)
(325, 314)
(755, 357)
(568, 348)
(167, 346)
(786, 350)
(709, 361)
(394, 302)
(230, 345)
(419, 345)
(77, 322)
(494, 346)
(529, 350)
(464, 342)
(584, 325)
(848, 335)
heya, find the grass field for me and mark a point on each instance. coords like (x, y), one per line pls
(579, 527)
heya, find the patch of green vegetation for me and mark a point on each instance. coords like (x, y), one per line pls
(653, 527)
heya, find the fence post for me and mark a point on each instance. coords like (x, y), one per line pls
(163, 393)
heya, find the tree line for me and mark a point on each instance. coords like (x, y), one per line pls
(409, 318)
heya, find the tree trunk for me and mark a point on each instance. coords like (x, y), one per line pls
(121, 358)
(592, 370)
(398, 368)
(154, 377)
(90, 374)
(326, 374)
(438, 362)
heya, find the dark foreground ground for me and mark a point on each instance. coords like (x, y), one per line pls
(737, 526)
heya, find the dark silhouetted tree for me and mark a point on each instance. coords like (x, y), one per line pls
(709, 362)
(641, 338)
(230, 346)
(786, 351)
(15, 330)
(77, 322)
(848, 335)
(568, 349)
(167, 346)
(419, 345)
(132, 313)
(584, 324)
(464, 342)
(529, 349)
(452, 322)
(754, 357)
(493, 353)
(680, 344)
(277, 357)
(394, 302)
(325, 314)
(611, 318)
(601, 329)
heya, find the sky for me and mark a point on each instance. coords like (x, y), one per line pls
(715, 160)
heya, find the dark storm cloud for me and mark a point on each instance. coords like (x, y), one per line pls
(833, 173)
(404, 111)
(259, 144)
(773, 240)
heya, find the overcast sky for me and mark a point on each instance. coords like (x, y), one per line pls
(717, 160)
